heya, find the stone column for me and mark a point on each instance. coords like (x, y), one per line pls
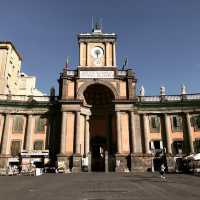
(78, 148)
(133, 139)
(146, 133)
(87, 135)
(119, 140)
(82, 54)
(167, 134)
(29, 132)
(107, 54)
(1, 126)
(189, 133)
(63, 134)
(6, 136)
(77, 155)
(86, 54)
(114, 54)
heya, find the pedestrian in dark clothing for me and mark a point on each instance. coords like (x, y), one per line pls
(162, 172)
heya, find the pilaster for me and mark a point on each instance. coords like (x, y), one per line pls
(188, 138)
(87, 136)
(29, 133)
(119, 139)
(77, 147)
(5, 149)
(167, 134)
(146, 133)
(133, 138)
(63, 133)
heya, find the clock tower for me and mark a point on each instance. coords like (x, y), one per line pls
(97, 49)
(96, 101)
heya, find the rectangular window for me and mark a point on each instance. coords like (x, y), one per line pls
(38, 145)
(197, 145)
(196, 122)
(15, 147)
(157, 144)
(40, 124)
(154, 124)
(178, 147)
(176, 121)
(18, 123)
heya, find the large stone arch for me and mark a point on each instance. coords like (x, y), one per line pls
(105, 83)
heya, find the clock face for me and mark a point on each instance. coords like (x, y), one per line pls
(97, 52)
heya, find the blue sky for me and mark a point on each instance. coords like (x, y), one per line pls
(161, 38)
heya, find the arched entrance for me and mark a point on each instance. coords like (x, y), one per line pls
(102, 126)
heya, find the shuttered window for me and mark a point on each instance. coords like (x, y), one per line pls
(154, 123)
(18, 123)
(15, 147)
(40, 124)
(195, 121)
(176, 122)
(38, 145)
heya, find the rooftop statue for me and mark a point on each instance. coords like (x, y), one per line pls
(142, 91)
(183, 89)
(162, 90)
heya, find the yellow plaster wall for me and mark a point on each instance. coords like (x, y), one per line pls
(177, 135)
(114, 83)
(195, 133)
(155, 136)
(82, 54)
(64, 90)
(80, 83)
(122, 88)
(70, 89)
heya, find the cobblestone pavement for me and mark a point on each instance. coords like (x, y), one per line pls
(100, 186)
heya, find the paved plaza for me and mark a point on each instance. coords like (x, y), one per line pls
(99, 186)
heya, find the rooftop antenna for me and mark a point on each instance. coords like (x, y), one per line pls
(101, 23)
(92, 24)
(66, 63)
(125, 62)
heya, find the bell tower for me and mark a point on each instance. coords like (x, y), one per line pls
(97, 49)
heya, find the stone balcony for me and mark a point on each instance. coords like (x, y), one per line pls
(170, 98)
(25, 98)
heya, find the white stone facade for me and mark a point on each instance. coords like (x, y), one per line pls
(13, 81)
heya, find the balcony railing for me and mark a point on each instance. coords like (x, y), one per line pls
(121, 73)
(24, 98)
(71, 72)
(169, 98)
(164, 98)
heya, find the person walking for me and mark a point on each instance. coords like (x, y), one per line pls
(162, 172)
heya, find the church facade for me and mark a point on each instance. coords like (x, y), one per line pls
(97, 120)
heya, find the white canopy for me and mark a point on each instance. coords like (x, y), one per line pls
(193, 157)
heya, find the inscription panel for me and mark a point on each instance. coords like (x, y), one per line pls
(96, 74)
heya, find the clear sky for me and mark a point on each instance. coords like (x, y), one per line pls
(161, 38)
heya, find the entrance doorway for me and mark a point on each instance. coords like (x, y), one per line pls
(98, 148)
(102, 128)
